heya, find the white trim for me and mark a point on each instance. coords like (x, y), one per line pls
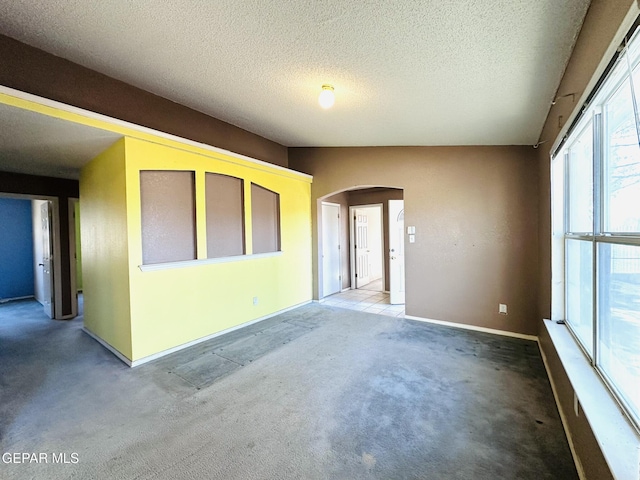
(155, 356)
(322, 230)
(345, 289)
(12, 299)
(352, 239)
(475, 328)
(563, 417)
(138, 128)
(107, 346)
(616, 437)
(206, 261)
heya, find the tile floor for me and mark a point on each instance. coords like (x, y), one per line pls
(365, 300)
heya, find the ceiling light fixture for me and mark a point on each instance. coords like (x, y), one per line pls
(326, 97)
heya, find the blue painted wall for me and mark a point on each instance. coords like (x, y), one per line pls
(16, 248)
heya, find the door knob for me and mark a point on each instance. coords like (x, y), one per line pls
(41, 264)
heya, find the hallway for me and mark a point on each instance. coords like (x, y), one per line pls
(365, 299)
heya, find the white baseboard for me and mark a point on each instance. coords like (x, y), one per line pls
(107, 346)
(6, 300)
(155, 356)
(463, 326)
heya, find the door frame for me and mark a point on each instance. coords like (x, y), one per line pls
(324, 294)
(56, 249)
(352, 250)
(403, 268)
(73, 255)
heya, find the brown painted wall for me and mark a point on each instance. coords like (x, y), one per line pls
(50, 187)
(34, 71)
(475, 212)
(595, 42)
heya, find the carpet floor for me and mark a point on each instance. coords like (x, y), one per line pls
(315, 393)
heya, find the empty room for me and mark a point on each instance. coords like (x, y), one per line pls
(320, 240)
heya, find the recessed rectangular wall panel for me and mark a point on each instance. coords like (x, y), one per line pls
(167, 201)
(265, 219)
(225, 215)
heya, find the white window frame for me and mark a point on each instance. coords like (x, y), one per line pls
(593, 112)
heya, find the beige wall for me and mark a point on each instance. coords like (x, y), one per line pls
(605, 23)
(475, 212)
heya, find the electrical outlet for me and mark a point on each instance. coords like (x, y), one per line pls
(255, 300)
(502, 309)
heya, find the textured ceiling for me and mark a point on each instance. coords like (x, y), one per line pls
(37, 144)
(422, 72)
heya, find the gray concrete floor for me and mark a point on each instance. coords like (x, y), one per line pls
(316, 393)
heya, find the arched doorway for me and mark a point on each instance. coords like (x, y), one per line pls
(338, 235)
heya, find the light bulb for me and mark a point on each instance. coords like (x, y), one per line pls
(326, 97)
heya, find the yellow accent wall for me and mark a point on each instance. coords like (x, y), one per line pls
(105, 266)
(144, 313)
(173, 306)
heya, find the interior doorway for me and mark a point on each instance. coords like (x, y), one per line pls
(31, 253)
(331, 264)
(43, 255)
(377, 279)
(366, 235)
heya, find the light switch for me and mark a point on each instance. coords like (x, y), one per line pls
(412, 239)
(411, 230)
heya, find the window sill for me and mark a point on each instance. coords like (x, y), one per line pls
(616, 437)
(205, 261)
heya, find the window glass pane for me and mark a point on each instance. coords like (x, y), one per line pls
(557, 195)
(167, 200)
(225, 215)
(622, 164)
(265, 219)
(579, 254)
(619, 319)
(581, 182)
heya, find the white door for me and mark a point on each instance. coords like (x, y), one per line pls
(396, 252)
(361, 224)
(331, 277)
(47, 259)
